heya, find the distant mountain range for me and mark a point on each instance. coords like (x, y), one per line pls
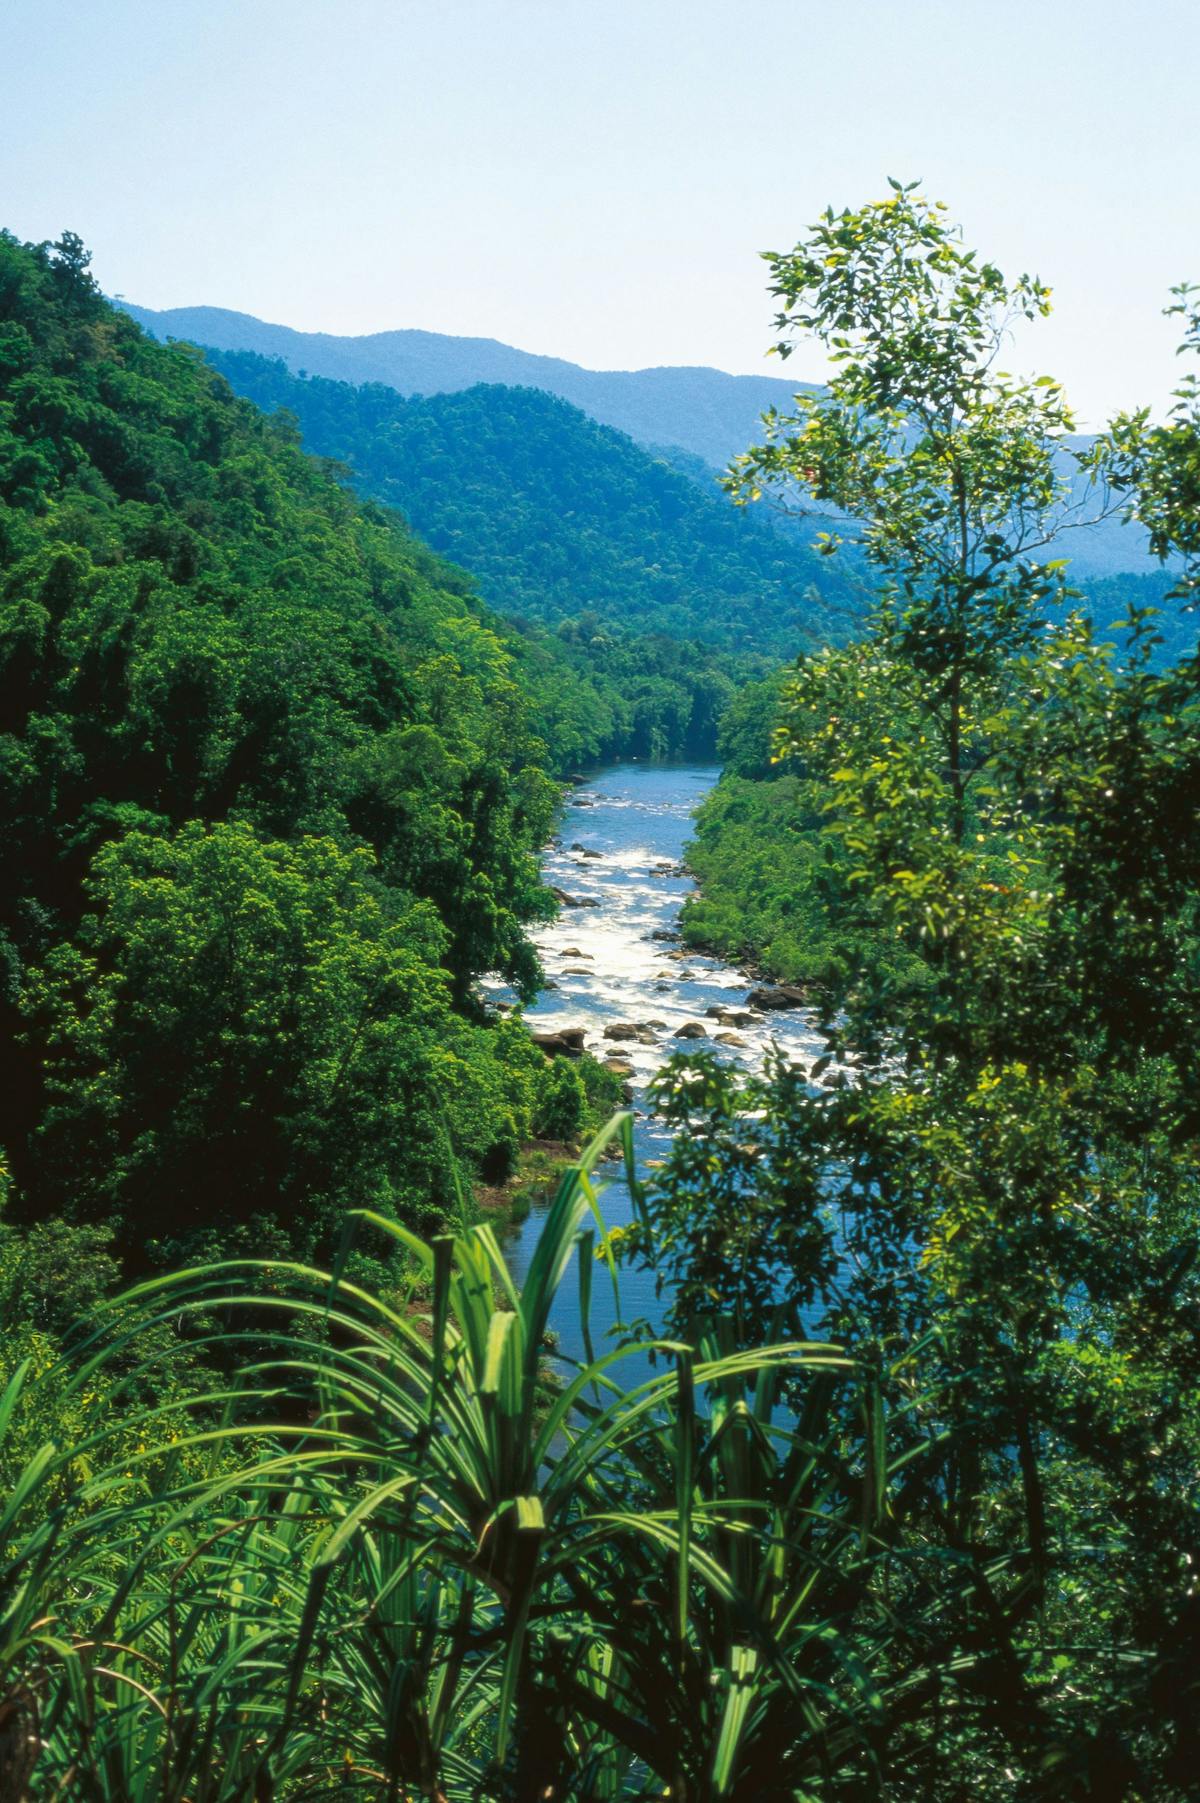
(706, 414)
(705, 411)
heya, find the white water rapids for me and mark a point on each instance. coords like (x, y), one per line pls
(604, 967)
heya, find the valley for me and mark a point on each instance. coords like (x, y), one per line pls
(399, 790)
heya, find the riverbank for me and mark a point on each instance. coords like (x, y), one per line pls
(541, 1161)
(761, 861)
(621, 983)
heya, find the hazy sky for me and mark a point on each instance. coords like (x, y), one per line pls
(593, 178)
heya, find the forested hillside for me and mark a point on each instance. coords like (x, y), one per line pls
(697, 419)
(554, 514)
(274, 796)
(707, 412)
(900, 1500)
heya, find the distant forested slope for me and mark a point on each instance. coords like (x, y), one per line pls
(705, 414)
(555, 514)
(708, 412)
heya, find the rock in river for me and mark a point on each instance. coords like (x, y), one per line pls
(692, 1029)
(781, 995)
(628, 1029)
(566, 1043)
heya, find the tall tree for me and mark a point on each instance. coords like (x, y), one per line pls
(952, 475)
(997, 1163)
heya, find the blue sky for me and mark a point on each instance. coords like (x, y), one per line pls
(593, 180)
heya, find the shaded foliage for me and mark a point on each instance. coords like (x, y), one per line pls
(997, 1159)
(274, 795)
(429, 1575)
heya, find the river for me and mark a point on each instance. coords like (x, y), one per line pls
(604, 966)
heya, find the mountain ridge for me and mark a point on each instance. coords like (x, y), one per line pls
(693, 408)
(701, 408)
(556, 514)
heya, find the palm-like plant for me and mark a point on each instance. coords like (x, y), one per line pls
(431, 1573)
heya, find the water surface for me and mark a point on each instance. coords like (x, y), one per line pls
(604, 966)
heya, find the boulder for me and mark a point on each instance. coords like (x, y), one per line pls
(566, 1043)
(730, 1039)
(666, 933)
(576, 970)
(630, 1030)
(779, 995)
(730, 1017)
(572, 901)
(691, 1029)
(573, 951)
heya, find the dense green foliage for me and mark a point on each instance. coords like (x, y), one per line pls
(1107, 600)
(273, 799)
(909, 1508)
(766, 877)
(637, 601)
(771, 891)
(555, 515)
(427, 1576)
(997, 1163)
(600, 692)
